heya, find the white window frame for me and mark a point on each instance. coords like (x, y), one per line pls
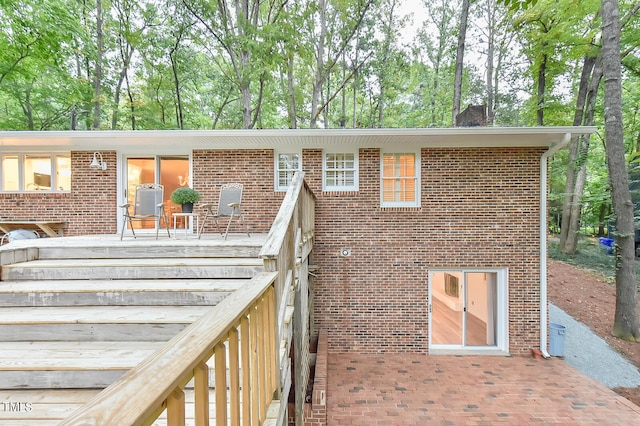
(22, 182)
(502, 313)
(278, 170)
(355, 170)
(417, 178)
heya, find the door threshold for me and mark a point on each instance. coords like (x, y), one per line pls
(462, 352)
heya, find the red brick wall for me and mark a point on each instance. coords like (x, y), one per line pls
(88, 209)
(91, 206)
(252, 168)
(315, 413)
(480, 208)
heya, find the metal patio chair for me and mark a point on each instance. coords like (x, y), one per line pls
(148, 204)
(229, 206)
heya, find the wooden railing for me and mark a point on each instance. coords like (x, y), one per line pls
(247, 335)
(240, 329)
(287, 251)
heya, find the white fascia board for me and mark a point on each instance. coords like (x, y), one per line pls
(142, 140)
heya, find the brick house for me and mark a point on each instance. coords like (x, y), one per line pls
(427, 240)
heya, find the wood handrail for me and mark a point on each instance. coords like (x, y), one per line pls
(287, 250)
(141, 394)
(276, 237)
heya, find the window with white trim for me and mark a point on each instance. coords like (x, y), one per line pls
(400, 180)
(35, 172)
(287, 164)
(340, 171)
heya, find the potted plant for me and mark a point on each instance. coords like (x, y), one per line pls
(185, 196)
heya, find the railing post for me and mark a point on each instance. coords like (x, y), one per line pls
(273, 265)
(201, 394)
(255, 371)
(175, 408)
(246, 370)
(220, 354)
(234, 378)
(262, 354)
(273, 349)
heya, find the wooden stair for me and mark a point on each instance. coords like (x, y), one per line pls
(48, 407)
(84, 311)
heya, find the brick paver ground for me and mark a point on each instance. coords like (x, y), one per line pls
(467, 390)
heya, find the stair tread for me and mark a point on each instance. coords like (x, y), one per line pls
(101, 314)
(80, 315)
(86, 286)
(136, 263)
(50, 406)
(74, 355)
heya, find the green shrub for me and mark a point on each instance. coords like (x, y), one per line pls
(185, 195)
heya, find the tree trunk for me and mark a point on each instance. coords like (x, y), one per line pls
(132, 105)
(293, 123)
(490, 77)
(27, 108)
(575, 207)
(569, 200)
(578, 158)
(457, 85)
(625, 324)
(601, 219)
(245, 93)
(125, 53)
(542, 84)
(389, 28)
(176, 86)
(343, 105)
(317, 84)
(97, 82)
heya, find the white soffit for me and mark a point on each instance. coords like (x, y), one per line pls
(286, 139)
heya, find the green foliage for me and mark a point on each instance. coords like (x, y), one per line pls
(516, 5)
(590, 255)
(192, 50)
(185, 195)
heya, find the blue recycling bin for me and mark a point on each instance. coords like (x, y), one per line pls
(607, 245)
(556, 339)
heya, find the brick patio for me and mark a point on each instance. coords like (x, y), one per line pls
(410, 389)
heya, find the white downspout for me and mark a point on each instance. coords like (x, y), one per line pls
(543, 240)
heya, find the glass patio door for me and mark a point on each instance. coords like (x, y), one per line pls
(464, 309)
(170, 171)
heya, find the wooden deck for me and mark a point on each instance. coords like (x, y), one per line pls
(143, 239)
(123, 300)
(250, 334)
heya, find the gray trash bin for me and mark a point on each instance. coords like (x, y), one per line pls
(556, 339)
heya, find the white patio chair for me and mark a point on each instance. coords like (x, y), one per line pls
(229, 206)
(148, 204)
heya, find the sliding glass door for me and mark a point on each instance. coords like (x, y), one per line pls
(467, 309)
(170, 171)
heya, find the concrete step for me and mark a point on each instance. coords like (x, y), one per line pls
(201, 292)
(127, 269)
(96, 323)
(59, 365)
